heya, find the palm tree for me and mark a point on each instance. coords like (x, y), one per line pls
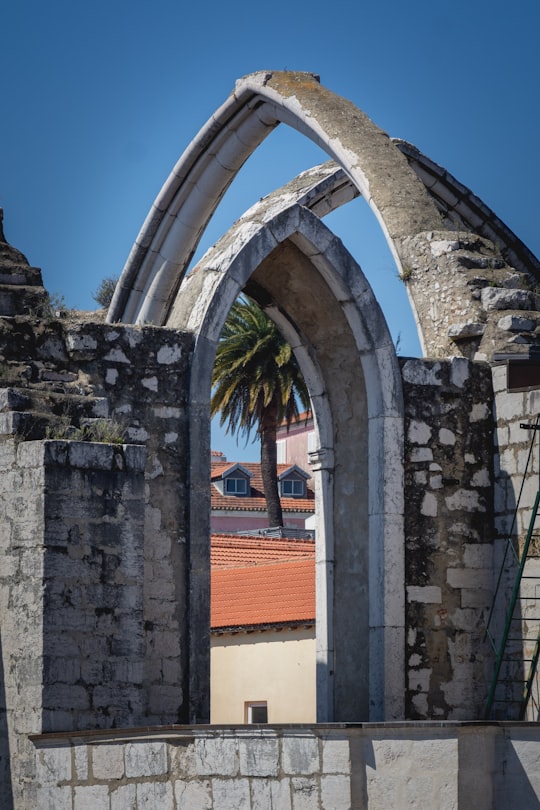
(257, 383)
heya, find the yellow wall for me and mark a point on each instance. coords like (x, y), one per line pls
(276, 667)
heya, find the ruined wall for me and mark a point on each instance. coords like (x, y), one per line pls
(64, 377)
(448, 536)
(97, 532)
(490, 767)
(71, 592)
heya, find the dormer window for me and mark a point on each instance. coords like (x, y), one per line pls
(293, 488)
(233, 479)
(293, 483)
(236, 485)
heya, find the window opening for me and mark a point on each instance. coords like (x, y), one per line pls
(293, 487)
(235, 486)
(257, 712)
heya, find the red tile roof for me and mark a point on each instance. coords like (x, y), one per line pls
(238, 551)
(261, 581)
(263, 594)
(256, 502)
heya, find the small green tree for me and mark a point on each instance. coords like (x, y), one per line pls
(257, 383)
(104, 293)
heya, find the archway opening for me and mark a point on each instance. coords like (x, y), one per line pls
(312, 288)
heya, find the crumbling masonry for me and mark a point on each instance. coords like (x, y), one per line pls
(104, 503)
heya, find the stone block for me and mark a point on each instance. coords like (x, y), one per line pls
(335, 792)
(145, 759)
(124, 797)
(300, 755)
(421, 454)
(419, 680)
(478, 578)
(54, 765)
(194, 795)
(166, 700)
(266, 793)
(465, 500)
(336, 755)
(91, 797)
(447, 437)
(216, 756)
(108, 762)
(419, 432)
(259, 757)
(478, 555)
(418, 372)
(154, 795)
(430, 505)
(305, 793)
(426, 594)
(231, 794)
(57, 797)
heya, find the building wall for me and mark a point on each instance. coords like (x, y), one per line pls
(273, 666)
(448, 766)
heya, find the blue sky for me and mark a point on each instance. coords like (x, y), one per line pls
(100, 99)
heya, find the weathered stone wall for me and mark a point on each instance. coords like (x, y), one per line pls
(70, 591)
(21, 611)
(61, 376)
(103, 549)
(475, 304)
(448, 536)
(488, 767)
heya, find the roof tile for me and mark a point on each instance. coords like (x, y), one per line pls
(261, 581)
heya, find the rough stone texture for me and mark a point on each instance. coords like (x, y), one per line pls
(448, 535)
(71, 595)
(92, 534)
(462, 265)
(485, 766)
(104, 584)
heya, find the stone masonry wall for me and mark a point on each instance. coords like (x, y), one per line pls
(485, 766)
(60, 375)
(21, 611)
(448, 536)
(70, 591)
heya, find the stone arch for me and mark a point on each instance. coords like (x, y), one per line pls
(438, 261)
(167, 241)
(311, 286)
(419, 208)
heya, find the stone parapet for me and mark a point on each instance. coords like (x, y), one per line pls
(326, 766)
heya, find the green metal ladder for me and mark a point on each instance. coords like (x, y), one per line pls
(517, 648)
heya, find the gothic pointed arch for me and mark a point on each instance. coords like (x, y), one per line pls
(170, 234)
(310, 285)
(421, 210)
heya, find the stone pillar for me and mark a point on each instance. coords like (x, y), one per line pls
(71, 595)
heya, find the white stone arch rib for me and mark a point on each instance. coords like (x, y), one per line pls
(202, 307)
(170, 234)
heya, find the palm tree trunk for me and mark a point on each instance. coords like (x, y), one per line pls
(268, 430)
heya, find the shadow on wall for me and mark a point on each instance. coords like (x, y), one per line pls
(506, 693)
(6, 795)
(512, 783)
